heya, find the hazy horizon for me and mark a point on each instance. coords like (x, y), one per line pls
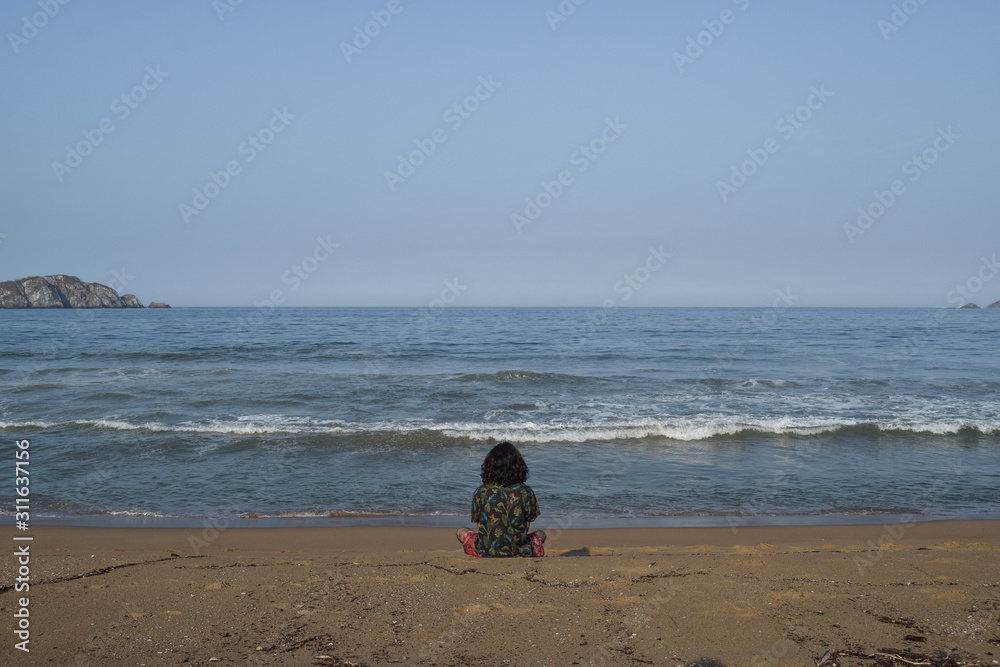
(393, 154)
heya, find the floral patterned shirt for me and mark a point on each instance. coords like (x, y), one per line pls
(503, 514)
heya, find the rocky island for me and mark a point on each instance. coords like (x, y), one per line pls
(995, 304)
(61, 292)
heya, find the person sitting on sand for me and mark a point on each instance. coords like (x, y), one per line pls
(503, 507)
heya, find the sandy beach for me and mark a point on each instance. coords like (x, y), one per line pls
(404, 595)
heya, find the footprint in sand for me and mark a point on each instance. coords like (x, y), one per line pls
(742, 549)
(951, 595)
(215, 586)
(481, 608)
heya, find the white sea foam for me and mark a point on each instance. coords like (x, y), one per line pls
(944, 427)
(245, 425)
(603, 428)
(683, 429)
(27, 424)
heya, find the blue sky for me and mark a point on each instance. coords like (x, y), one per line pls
(710, 152)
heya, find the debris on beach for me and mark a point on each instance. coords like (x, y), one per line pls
(890, 657)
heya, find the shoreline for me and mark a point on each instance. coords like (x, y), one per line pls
(374, 595)
(397, 537)
(102, 520)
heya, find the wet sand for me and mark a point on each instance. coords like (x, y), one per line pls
(786, 595)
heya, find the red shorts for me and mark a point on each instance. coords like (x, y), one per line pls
(537, 546)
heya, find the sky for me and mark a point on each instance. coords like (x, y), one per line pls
(574, 153)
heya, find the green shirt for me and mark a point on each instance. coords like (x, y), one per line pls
(503, 514)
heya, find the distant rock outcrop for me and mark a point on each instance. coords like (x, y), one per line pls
(61, 292)
(131, 301)
(158, 304)
(995, 304)
(970, 305)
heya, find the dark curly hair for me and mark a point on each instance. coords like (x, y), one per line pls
(504, 466)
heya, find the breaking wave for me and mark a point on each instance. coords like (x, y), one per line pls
(702, 427)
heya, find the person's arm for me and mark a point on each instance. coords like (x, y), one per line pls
(476, 507)
(531, 512)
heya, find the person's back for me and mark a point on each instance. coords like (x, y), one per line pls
(504, 514)
(503, 507)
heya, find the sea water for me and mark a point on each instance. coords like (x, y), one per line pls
(645, 416)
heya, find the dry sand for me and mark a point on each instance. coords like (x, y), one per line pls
(401, 595)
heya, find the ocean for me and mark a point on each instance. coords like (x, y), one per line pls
(658, 416)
